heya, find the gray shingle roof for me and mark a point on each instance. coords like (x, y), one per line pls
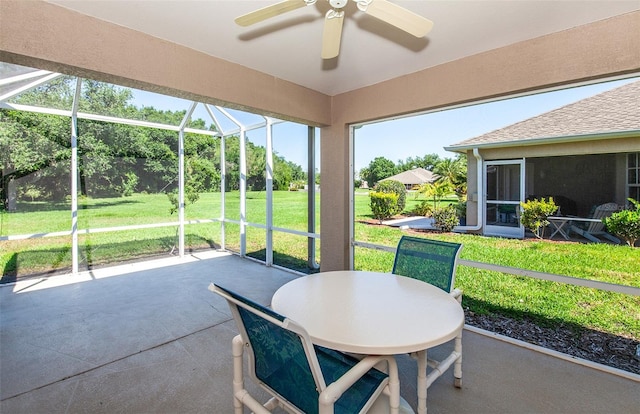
(612, 111)
(413, 176)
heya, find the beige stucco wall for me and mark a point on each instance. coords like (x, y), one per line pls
(38, 34)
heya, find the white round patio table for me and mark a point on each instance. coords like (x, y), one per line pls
(371, 313)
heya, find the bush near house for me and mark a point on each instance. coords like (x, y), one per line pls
(383, 205)
(445, 218)
(425, 208)
(397, 188)
(535, 212)
(625, 224)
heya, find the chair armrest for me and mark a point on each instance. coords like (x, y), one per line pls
(335, 390)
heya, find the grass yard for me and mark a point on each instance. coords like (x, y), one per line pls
(485, 292)
(19, 258)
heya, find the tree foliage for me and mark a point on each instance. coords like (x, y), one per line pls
(453, 172)
(117, 159)
(436, 190)
(378, 169)
(428, 162)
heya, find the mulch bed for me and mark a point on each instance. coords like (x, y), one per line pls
(603, 348)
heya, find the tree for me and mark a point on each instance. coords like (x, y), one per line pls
(378, 169)
(428, 162)
(454, 172)
(117, 159)
(35, 146)
(364, 172)
(436, 190)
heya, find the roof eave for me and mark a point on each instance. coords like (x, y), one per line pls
(545, 140)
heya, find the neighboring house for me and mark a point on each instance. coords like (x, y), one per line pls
(583, 154)
(413, 178)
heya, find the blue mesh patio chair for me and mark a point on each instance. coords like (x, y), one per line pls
(433, 262)
(428, 260)
(303, 377)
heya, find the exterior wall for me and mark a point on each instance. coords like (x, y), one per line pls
(39, 34)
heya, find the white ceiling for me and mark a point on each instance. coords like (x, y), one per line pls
(288, 46)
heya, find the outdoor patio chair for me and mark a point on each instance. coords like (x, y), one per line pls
(589, 230)
(428, 260)
(302, 377)
(433, 262)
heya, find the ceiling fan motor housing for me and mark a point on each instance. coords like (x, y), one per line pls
(384, 10)
(338, 4)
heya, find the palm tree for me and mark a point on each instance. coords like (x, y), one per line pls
(439, 189)
(454, 172)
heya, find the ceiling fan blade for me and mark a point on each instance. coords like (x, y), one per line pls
(269, 11)
(399, 17)
(332, 33)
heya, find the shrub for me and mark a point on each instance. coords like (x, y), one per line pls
(534, 214)
(445, 218)
(625, 224)
(395, 187)
(383, 205)
(129, 184)
(425, 208)
(190, 194)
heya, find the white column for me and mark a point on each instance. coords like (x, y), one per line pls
(74, 178)
(269, 183)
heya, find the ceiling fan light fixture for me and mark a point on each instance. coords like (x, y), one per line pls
(384, 10)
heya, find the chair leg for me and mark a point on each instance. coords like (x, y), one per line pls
(238, 380)
(394, 386)
(457, 367)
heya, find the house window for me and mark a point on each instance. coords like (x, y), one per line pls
(633, 175)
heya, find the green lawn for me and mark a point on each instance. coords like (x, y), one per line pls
(548, 303)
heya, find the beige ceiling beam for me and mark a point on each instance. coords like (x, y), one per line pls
(47, 36)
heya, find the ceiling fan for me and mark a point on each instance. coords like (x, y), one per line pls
(384, 10)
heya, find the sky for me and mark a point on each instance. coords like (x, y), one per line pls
(401, 138)
(430, 133)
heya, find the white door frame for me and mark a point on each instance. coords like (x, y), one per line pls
(509, 228)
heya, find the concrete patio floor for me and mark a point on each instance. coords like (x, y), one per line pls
(150, 338)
